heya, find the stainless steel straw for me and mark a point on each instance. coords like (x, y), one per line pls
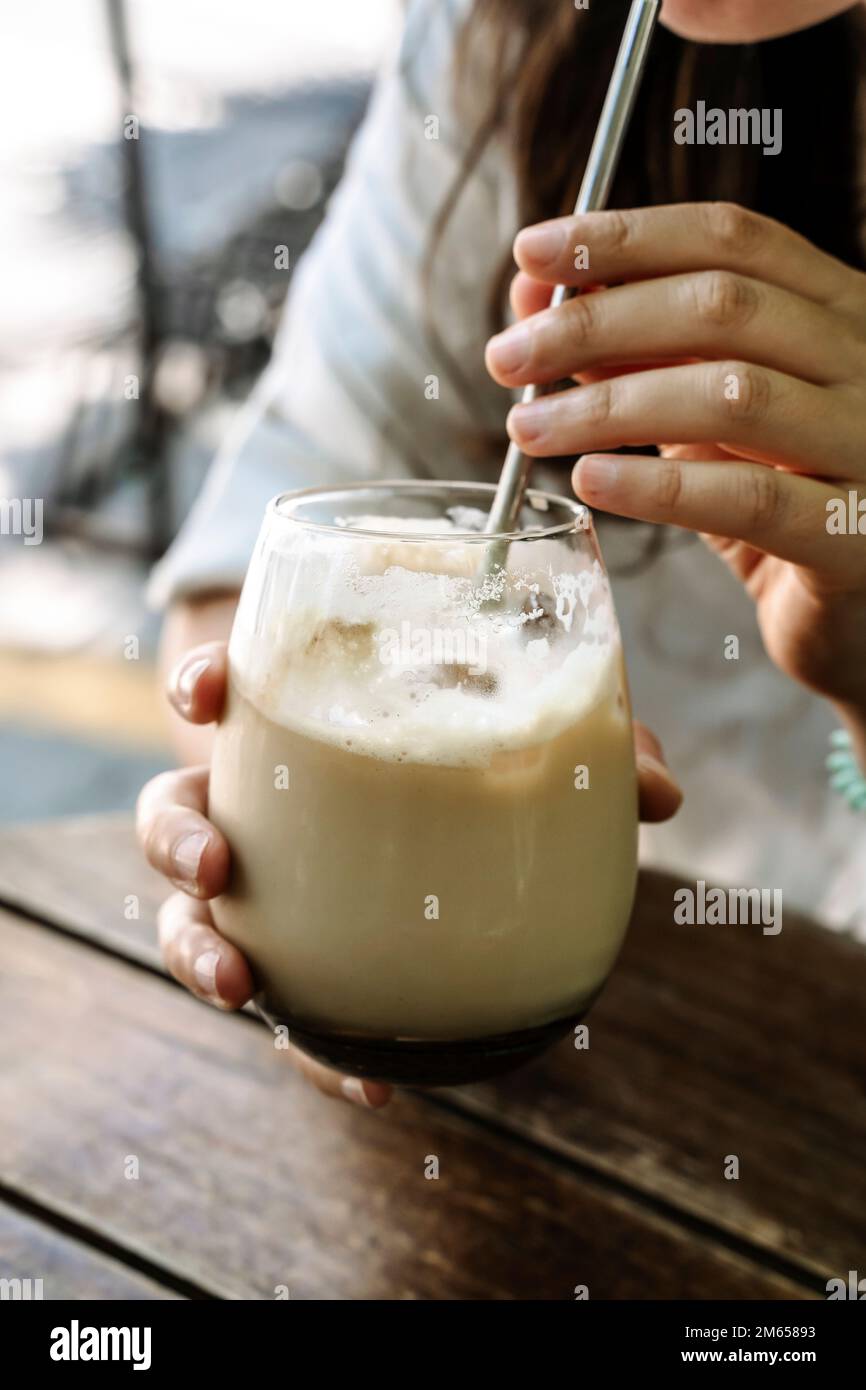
(594, 193)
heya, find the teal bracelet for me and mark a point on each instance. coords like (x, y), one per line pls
(846, 774)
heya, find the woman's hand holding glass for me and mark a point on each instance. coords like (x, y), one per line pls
(187, 848)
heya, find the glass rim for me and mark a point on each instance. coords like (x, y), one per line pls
(580, 514)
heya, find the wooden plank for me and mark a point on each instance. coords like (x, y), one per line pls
(249, 1180)
(708, 1042)
(80, 875)
(67, 1269)
(711, 1042)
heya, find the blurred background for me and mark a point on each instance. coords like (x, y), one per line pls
(152, 156)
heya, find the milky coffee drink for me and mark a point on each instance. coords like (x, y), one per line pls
(427, 781)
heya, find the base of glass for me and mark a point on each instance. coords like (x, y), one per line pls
(421, 1062)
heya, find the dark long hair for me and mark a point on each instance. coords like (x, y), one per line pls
(550, 64)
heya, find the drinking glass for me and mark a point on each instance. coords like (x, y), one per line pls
(425, 773)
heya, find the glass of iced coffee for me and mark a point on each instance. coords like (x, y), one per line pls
(425, 772)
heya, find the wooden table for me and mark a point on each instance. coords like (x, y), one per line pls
(602, 1167)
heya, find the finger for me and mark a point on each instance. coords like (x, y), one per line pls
(772, 417)
(645, 242)
(780, 513)
(713, 314)
(537, 297)
(197, 685)
(201, 959)
(660, 794)
(528, 296)
(177, 838)
(370, 1095)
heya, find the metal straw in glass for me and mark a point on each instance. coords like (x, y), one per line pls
(594, 193)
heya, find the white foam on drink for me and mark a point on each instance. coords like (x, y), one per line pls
(390, 648)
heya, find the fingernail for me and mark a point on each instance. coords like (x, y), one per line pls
(185, 682)
(187, 855)
(352, 1088)
(544, 243)
(205, 970)
(509, 351)
(528, 422)
(647, 763)
(596, 474)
